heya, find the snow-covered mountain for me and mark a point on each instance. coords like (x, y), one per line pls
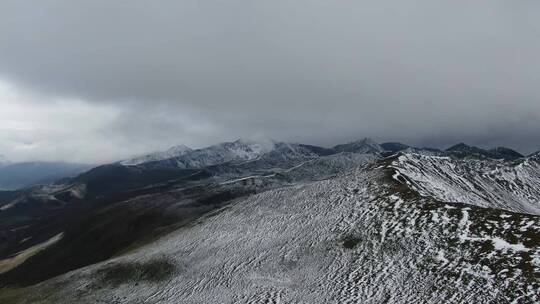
(176, 151)
(463, 150)
(362, 237)
(513, 186)
(184, 157)
(365, 145)
(248, 222)
(245, 150)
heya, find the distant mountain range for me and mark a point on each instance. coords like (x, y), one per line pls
(464, 150)
(20, 175)
(245, 150)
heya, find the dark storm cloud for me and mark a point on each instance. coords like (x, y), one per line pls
(426, 72)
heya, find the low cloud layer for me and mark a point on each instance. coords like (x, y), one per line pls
(99, 80)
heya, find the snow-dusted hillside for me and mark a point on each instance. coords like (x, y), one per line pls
(176, 151)
(257, 155)
(326, 166)
(184, 157)
(514, 186)
(288, 223)
(283, 157)
(362, 237)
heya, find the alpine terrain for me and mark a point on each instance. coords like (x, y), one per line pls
(275, 222)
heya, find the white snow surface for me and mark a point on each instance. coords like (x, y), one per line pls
(513, 186)
(184, 157)
(351, 239)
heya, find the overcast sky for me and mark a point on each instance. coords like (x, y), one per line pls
(95, 81)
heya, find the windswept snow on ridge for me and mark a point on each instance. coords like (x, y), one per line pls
(513, 186)
(175, 151)
(352, 239)
(184, 157)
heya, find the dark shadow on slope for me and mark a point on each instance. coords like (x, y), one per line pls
(96, 234)
(115, 274)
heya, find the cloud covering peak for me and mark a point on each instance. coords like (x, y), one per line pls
(155, 74)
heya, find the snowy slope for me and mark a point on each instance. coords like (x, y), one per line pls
(514, 186)
(246, 150)
(175, 151)
(240, 150)
(362, 237)
(283, 156)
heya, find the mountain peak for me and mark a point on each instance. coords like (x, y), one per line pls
(506, 153)
(463, 150)
(175, 151)
(366, 145)
(461, 147)
(250, 145)
(179, 149)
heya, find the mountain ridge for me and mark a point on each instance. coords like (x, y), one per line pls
(464, 150)
(366, 145)
(113, 207)
(364, 235)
